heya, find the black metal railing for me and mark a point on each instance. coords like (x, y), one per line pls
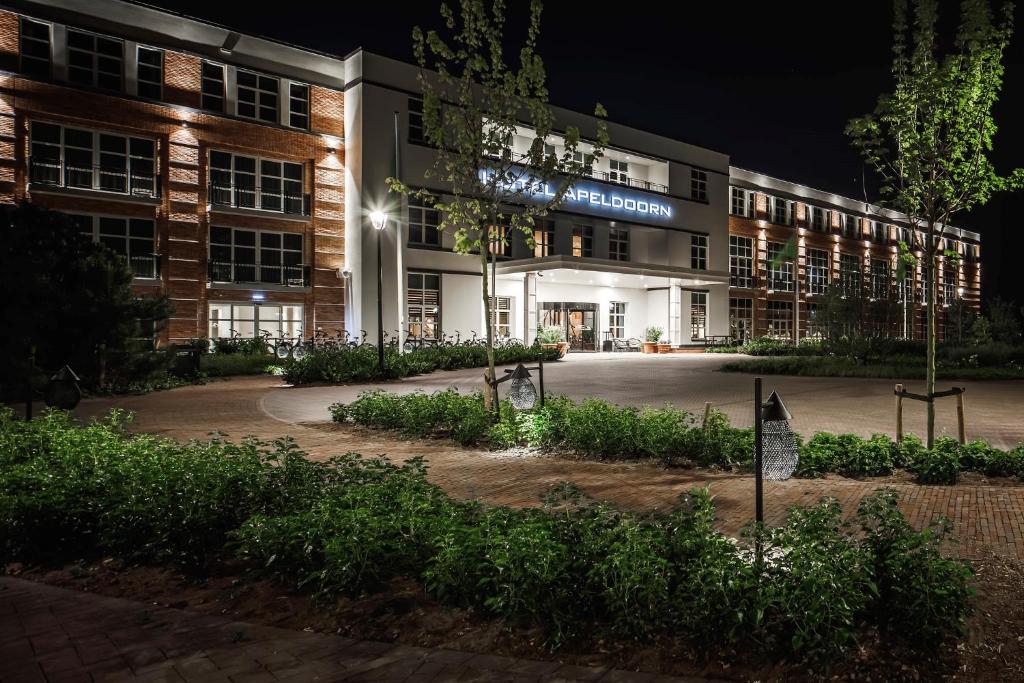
(258, 273)
(116, 179)
(629, 182)
(254, 197)
(145, 265)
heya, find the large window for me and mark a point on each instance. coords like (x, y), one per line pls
(818, 219)
(543, 237)
(423, 315)
(879, 232)
(95, 60)
(741, 261)
(298, 106)
(150, 76)
(815, 326)
(35, 48)
(699, 252)
(582, 240)
(86, 159)
(619, 171)
(742, 202)
(212, 86)
(416, 133)
(781, 210)
(879, 278)
(618, 244)
(501, 314)
(948, 284)
(851, 226)
(253, 183)
(132, 238)
(741, 319)
(698, 185)
(250, 256)
(698, 315)
(780, 268)
(817, 271)
(256, 96)
(251, 320)
(423, 222)
(617, 319)
(850, 273)
(779, 319)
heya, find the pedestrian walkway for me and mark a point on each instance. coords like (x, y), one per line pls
(57, 635)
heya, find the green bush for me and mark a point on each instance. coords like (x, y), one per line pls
(232, 364)
(937, 466)
(574, 568)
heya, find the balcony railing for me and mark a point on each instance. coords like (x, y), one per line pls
(115, 179)
(254, 197)
(257, 273)
(629, 182)
(145, 265)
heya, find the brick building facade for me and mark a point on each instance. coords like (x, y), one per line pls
(232, 209)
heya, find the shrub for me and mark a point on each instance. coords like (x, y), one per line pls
(232, 364)
(908, 451)
(1006, 463)
(596, 427)
(938, 466)
(551, 334)
(868, 458)
(653, 333)
(819, 455)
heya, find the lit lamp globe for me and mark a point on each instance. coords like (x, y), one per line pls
(378, 219)
(522, 394)
(779, 452)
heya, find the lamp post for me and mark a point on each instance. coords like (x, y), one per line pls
(775, 451)
(960, 316)
(379, 219)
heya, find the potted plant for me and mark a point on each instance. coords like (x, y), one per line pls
(651, 336)
(551, 337)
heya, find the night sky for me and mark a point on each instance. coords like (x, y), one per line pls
(770, 84)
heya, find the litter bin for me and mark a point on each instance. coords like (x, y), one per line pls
(185, 362)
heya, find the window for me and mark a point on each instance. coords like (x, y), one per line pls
(416, 133)
(618, 244)
(423, 313)
(250, 256)
(851, 226)
(741, 319)
(879, 232)
(699, 252)
(35, 48)
(94, 60)
(617, 319)
(86, 159)
(619, 172)
(497, 243)
(253, 183)
(501, 314)
(741, 261)
(582, 240)
(298, 106)
(817, 219)
(132, 238)
(815, 326)
(586, 161)
(423, 222)
(781, 210)
(256, 96)
(742, 204)
(150, 75)
(252, 320)
(903, 235)
(698, 314)
(779, 319)
(543, 237)
(879, 278)
(948, 284)
(780, 268)
(212, 87)
(817, 271)
(850, 273)
(698, 185)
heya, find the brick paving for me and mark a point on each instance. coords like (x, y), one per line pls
(56, 635)
(984, 517)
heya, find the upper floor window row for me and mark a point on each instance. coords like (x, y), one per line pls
(256, 96)
(246, 182)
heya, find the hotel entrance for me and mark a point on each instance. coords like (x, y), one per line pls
(577, 320)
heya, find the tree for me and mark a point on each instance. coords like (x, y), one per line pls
(929, 140)
(67, 300)
(474, 106)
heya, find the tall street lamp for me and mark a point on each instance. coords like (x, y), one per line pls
(379, 219)
(960, 315)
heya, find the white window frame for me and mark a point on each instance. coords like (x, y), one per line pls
(817, 270)
(258, 266)
(698, 315)
(420, 219)
(880, 278)
(698, 185)
(135, 247)
(780, 275)
(617, 319)
(618, 171)
(501, 310)
(699, 252)
(618, 244)
(293, 324)
(745, 331)
(741, 261)
(287, 185)
(422, 307)
(778, 326)
(259, 92)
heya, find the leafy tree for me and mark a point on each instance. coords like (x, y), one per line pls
(1004, 325)
(474, 103)
(930, 139)
(66, 300)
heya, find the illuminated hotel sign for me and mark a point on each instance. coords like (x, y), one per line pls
(592, 196)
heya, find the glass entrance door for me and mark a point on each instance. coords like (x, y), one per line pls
(581, 332)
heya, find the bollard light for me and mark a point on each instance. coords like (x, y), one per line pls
(780, 455)
(522, 393)
(62, 391)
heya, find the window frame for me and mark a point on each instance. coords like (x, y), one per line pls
(698, 252)
(817, 271)
(285, 182)
(96, 58)
(740, 263)
(140, 65)
(582, 240)
(780, 274)
(257, 319)
(698, 185)
(698, 315)
(543, 237)
(22, 38)
(258, 95)
(747, 331)
(305, 101)
(422, 306)
(258, 264)
(144, 247)
(618, 244)
(617, 319)
(205, 98)
(774, 322)
(418, 218)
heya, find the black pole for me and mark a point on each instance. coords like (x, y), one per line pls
(758, 483)
(380, 308)
(540, 366)
(28, 383)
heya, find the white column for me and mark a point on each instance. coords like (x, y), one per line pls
(529, 308)
(675, 304)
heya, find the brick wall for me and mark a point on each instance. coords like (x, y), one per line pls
(184, 138)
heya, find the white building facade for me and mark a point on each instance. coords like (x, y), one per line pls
(643, 241)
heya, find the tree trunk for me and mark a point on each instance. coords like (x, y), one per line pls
(489, 389)
(932, 294)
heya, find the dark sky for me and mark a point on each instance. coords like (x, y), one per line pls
(770, 84)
